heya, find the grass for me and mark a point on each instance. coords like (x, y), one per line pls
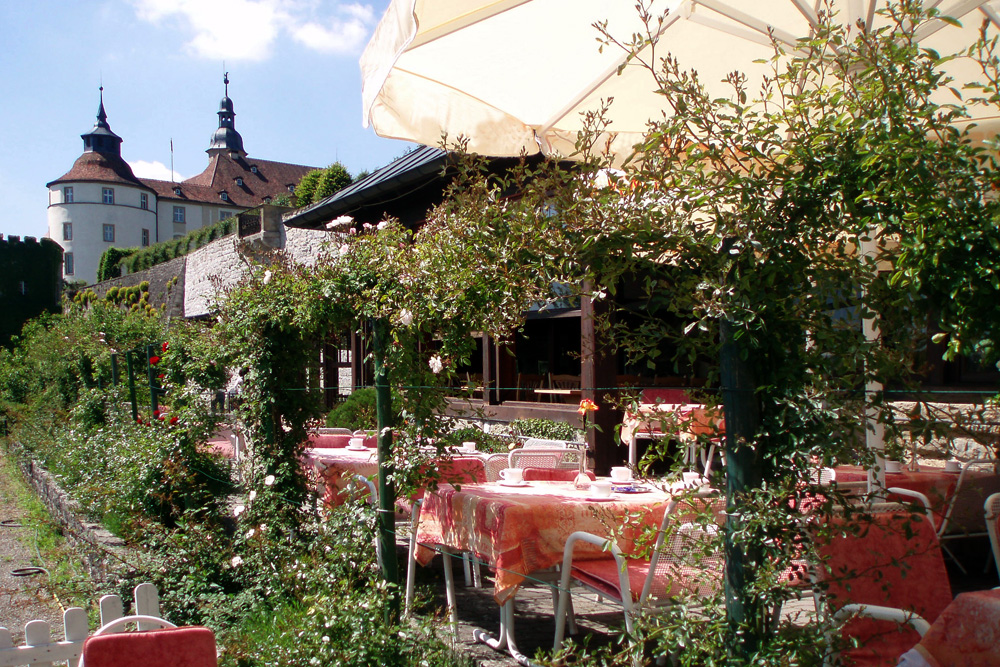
(68, 581)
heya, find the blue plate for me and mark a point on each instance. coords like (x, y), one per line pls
(631, 488)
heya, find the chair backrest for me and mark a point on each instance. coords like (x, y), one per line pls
(545, 457)
(554, 474)
(952, 501)
(526, 382)
(328, 440)
(494, 464)
(823, 476)
(325, 430)
(687, 554)
(564, 381)
(992, 511)
(889, 557)
(192, 646)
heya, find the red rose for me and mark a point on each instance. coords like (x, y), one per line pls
(173, 420)
(165, 346)
(154, 360)
(156, 413)
(162, 417)
(139, 421)
(161, 376)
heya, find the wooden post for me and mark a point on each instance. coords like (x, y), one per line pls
(598, 379)
(386, 489)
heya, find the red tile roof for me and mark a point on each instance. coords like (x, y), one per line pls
(103, 167)
(272, 179)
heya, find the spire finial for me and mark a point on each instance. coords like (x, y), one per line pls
(225, 80)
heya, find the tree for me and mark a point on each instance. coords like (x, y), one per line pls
(334, 178)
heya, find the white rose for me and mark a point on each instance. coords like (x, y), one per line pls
(267, 277)
(253, 494)
(236, 561)
(269, 480)
(238, 510)
(405, 317)
(250, 533)
(383, 224)
(436, 364)
(344, 249)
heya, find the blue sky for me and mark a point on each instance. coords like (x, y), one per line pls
(294, 81)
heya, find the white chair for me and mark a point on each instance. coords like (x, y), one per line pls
(992, 509)
(568, 458)
(684, 559)
(823, 476)
(942, 527)
(494, 464)
(334, 431)
(543, 443)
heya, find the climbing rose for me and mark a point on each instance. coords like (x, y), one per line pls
(587, 405)
(436, 364)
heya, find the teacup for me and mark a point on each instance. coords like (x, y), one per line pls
(952, 466)
(621, 475)
(600, 489)
(468, 446)
(512, 475)
(356, 443)
(893, 466)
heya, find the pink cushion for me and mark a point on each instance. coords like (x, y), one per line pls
(672, 396)
(175, 647)
(602, 575)
(895, 561)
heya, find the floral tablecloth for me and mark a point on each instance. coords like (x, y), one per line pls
(966, 634)
(939, 486)
(520, 530)
(337, 466)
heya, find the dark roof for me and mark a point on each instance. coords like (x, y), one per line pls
(402, 176)
(272, 179)
(103, 167)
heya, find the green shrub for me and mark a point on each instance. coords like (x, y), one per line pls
(485, 442)
(544, 428)
(356, 412)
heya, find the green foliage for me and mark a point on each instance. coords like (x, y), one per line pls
(485, 442)
(334, 178)
(306, 188)
(357, 411)
(544, 428)
(110, 264)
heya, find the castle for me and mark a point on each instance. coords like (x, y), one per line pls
(100, 203)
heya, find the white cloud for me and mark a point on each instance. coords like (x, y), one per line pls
(234, 30)
(157, 170)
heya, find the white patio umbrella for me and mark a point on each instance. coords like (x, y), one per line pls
(518, 75)
(513, 75)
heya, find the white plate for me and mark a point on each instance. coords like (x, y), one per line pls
(599, 499)
(356, 449)
(514, 484)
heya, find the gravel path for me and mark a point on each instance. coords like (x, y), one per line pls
(22, 599)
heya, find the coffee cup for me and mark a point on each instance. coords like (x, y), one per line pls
(356, 443)
(621, 475)
(952, 466)
(512, 475)
(468, 446)
(893, 466)
(600, 489)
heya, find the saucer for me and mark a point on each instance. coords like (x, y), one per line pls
(631, 488)
(362, 448)
(514, 484)
(599, 499)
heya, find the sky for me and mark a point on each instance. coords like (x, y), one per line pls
(294, 82)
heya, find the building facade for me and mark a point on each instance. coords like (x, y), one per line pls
(100, 203)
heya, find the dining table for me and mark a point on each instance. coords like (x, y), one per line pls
(336, 467)
(520, 530)
(939, 485)
(660, 420)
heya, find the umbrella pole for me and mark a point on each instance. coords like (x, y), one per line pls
(743, 472)
(386, 488)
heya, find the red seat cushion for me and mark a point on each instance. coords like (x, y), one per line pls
(553, 475)
(174, 647)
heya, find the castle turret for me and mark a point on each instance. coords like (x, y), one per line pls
(226, 139)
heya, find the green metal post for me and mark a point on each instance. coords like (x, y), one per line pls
(743, 472)
(154, 394)
(131, 385)
(386, 489)
(114, 369)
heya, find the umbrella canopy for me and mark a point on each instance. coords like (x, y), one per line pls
(518, 75)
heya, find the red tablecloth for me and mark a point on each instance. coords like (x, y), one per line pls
(966, 634)
(520, 530)
(939, 486)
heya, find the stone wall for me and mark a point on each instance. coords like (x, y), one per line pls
(102, 553)
(166, 298)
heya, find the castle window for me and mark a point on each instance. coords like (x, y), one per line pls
(253, 169)
(109, 233)
(68, 264)
(177, 191)
(239, 182)
(224, 214)
(145, 238)
(291, 188)
(224, 195)
(179, 215)
(67, 195)
(143, 201)
(108, 195)
(67, 231)
(267, 200)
